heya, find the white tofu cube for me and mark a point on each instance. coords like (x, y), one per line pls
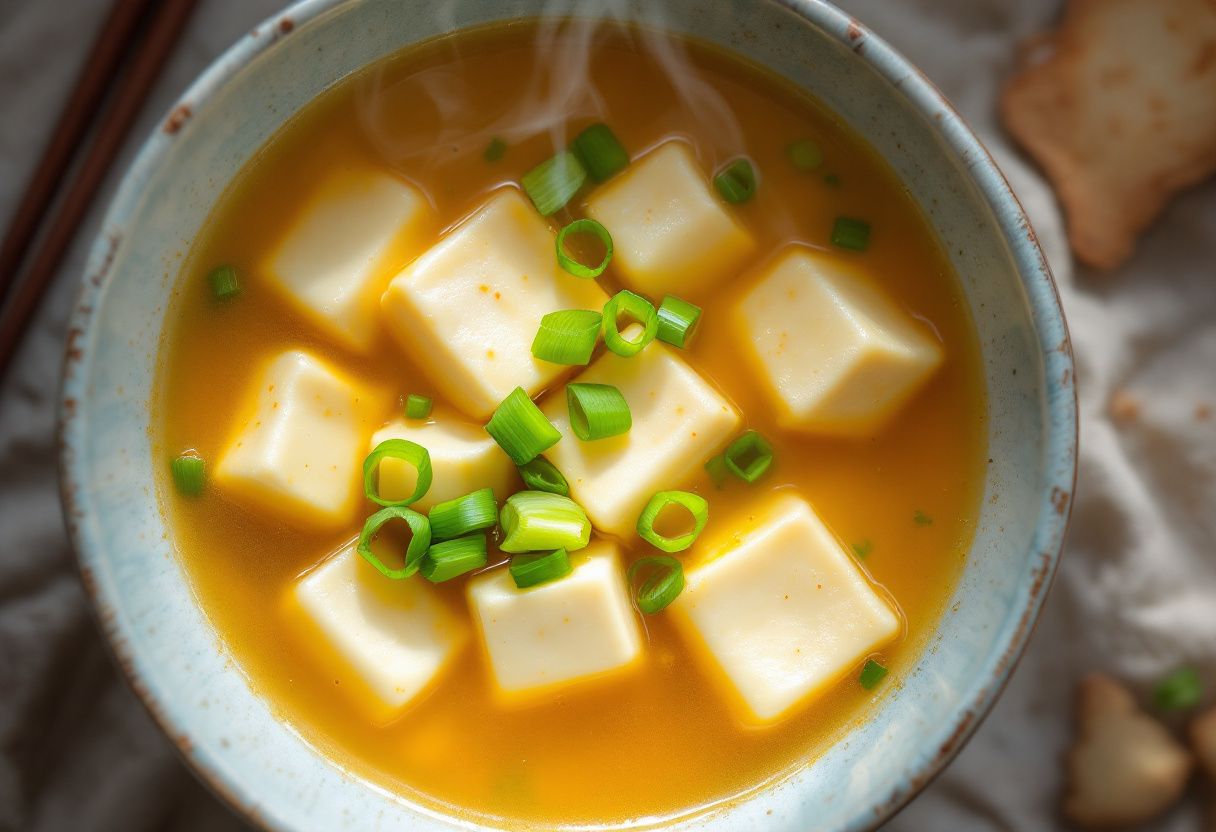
(468, 309)
(351, 235)
(670, 232)
(298, 446)
(838, 355)
(679, 421)
(463, 459)
(781, 609)
(573, 628)
(395, 637)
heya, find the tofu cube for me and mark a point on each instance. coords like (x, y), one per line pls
(565, 631)
(468, 309)
(838, 356)
(781, 609)
(670, 232)
(463, 459)
(351, 235)
(297, 449)
(386, 641)
(679, 421)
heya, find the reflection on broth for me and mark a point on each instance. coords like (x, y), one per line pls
(662, 557)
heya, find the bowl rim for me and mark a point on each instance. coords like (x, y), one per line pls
(1054, 343)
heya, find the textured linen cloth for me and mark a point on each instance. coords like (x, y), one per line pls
(1136, 595)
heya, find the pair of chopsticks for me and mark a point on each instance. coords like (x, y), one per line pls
(117, 76)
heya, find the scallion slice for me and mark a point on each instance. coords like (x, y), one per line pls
(694, 504)
(572, 265)
(409, 452)
(532, 568)
(600, 152)
(717, 470)
(452, 558)
(871, 674)
(470, 513)
(736, 182)
(520, 428)
(189, 473)
(224, 283)
(597, 411)
(541, 475)
(417, 407)
(554, 182)
(663, 583)
(1178, 691)
(677, 321)
(567, 336)
(749, 456)
(536, 521)
(805, 154)
(639, 309)
(851, 234)
(495, 150)
(420, 540)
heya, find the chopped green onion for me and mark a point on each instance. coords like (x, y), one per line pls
(554, 182)
(805, 154)
(597, 411)
(694, 504)
(532, 568)
(851, 234)
(600, 152)
(189, 473)
(749, 456)
(662, 586)
(831, 180)
(863, 549)
(1178, 691)
(224, 284)
(717, 470)
(420, 539)
(541, 475)
(573, 266)
(641, 310)
(535, 521)
(921, 519)
(567, 336)
(470, 513)
(452, 558)
(495, 150)
(417, 407)
(409, 452)
(736, 182)
(677, 321)
(520, 428)
(871, 674)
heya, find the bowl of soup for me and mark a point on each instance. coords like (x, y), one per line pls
(500, 415)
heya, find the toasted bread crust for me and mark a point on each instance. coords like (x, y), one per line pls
(1119, 108)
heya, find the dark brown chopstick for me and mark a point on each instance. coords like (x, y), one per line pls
(111, 45)
(127, 99)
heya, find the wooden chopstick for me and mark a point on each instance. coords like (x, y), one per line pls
(127, 99)
(96, 73)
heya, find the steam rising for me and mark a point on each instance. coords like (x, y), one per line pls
(561, 92)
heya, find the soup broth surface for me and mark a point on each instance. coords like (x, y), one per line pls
(660, 742)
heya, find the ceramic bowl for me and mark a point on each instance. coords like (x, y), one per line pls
(174, 660)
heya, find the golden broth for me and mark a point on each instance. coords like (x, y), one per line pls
(658, 742)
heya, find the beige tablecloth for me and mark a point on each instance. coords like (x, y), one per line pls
(1136, 596)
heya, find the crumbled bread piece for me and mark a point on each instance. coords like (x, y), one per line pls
(1125, 767)
(1119, 107)
(1124, 407)
(1203, 740)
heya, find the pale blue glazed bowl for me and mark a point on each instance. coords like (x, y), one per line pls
(175, 661)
